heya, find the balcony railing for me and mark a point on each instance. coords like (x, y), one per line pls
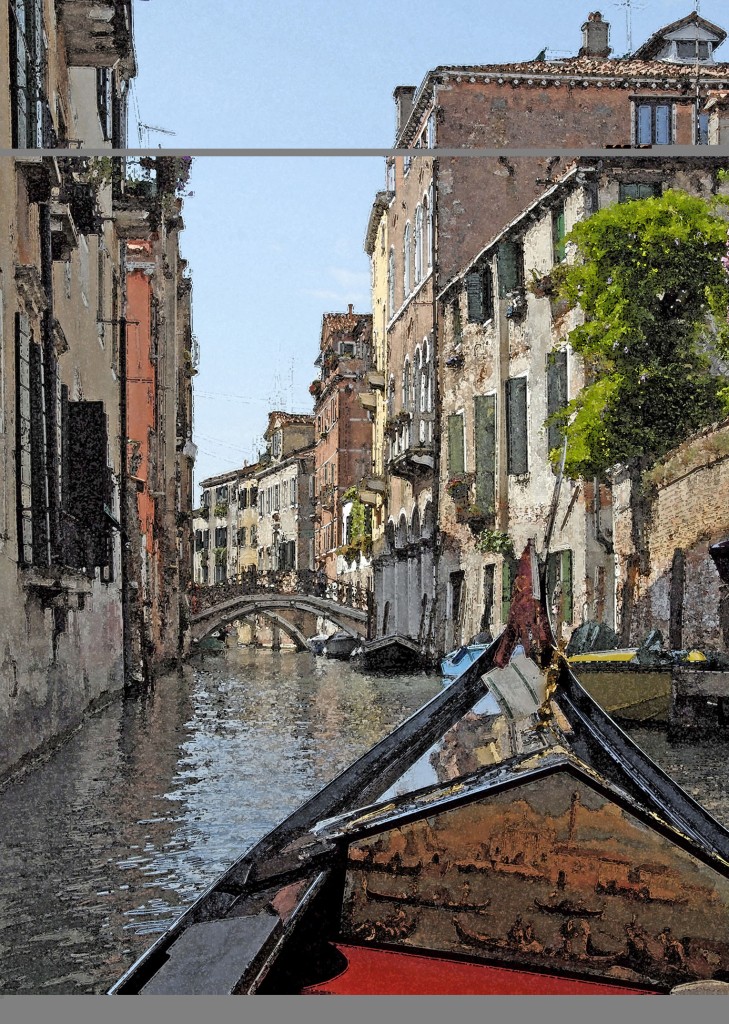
(412, 452)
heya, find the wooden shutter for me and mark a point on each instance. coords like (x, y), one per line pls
(485, 430)
(556, 394)
(488, 597)
(558, 234)
(567, 598)
(456, 455)
(559, 573)
(89, 482)
(39, 458)
(508, 263)
(487, 291)
(508, 575)
(23, 440)
(474, 295)
(516, 413)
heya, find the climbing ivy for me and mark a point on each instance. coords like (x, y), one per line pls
(650, 281)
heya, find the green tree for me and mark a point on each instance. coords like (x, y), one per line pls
(650, 281)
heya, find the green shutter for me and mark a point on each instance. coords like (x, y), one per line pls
(556, 394)
(509, 265)
(516, 419)
(559, 572)
(485, 431)
(456, 456)
(567, 600)
(487, 285)
(558, 234)
(508, 573)
(475, 297)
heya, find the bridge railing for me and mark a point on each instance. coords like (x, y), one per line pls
(307, 582)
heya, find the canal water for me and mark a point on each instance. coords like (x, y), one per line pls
(108, 841)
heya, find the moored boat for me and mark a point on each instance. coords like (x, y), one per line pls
(391, 654)
(508, 837)
(341, 645)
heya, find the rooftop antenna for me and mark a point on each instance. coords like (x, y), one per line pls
(291, 385)
(629, 6)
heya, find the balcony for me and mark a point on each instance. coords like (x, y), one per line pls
(98, 33)
(412, 452)
(368, 400)
(64, 236)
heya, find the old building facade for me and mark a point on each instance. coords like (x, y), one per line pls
(671, 90)
(160, 361)
(285, 493)
(66, 551)
(507, 366)
(343, 430)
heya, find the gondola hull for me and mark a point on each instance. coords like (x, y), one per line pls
(508, 827)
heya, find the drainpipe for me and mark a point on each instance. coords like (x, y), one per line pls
(436, 537)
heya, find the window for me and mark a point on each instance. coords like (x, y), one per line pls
(221, 536)
(428, 203)
(242, 536)
(276, 497)
(456, 321)
(559, 584)
(556, 394)
(254, 536)
(457, 590)
(406, 274)
(87, 486)
(484, 408)
(292, 491)
(243, 497)
(104, 87)
(653, 123)
(391, 283)
(27, 63)
(693, 49)
(480, 295)
(559, 248)
(702, 130)
(406, 385)
(510, 267)
(638, 190)
(418, 244)
(260, 503)
(516, 423)
(488, 598)
(390, 176)
(276, 445)
(406, 162)
(430, 131)
(456, 448)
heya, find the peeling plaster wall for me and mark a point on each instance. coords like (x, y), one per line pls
(690, 511)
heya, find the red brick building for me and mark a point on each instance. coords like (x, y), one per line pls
(443, 210)
(343, 430)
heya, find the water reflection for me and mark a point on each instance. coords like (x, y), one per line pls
(107, 842)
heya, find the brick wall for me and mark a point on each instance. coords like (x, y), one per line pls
(689, 512)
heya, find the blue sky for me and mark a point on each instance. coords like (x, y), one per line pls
(275, 242)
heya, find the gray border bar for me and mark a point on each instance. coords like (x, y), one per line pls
(649, 152)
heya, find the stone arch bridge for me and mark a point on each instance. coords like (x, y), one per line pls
(271, 594)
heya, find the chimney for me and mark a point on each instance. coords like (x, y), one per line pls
(350, 309)
(595, 33)
(404, 95)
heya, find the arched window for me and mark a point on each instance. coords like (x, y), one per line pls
(426, 390)
(406, 385)
(417, 383)
(406, 274)
(418, 244)
(428, 203)
(391, 283)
